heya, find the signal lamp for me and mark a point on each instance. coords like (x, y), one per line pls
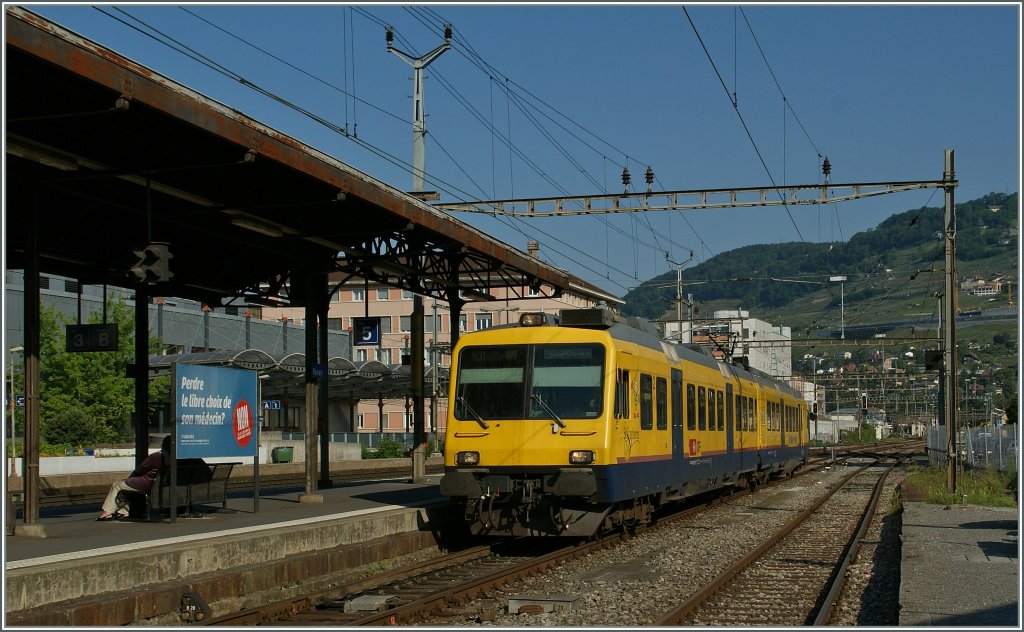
(581, 457)
(533, 319)
(467, 458)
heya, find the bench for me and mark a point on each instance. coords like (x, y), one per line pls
(199, 483)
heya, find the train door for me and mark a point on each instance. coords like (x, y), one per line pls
(729, 439)
(780, 420)
(677, 417)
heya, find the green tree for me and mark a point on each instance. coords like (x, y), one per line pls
(92, 383)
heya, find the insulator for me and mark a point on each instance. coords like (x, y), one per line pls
(389, 35)
(447, 31)
(625, 176)
(649, 176)
(826, 167)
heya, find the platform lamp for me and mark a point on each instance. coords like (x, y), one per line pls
(12, 469)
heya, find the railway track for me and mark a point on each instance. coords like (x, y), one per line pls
(439, 589)
(796, 576)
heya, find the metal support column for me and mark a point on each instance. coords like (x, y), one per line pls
(949, 330)
(322, 304)
(419, 470)
(30, 452)
(312, 407)
(142, 374)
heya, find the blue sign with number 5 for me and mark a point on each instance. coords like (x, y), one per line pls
(366, 331)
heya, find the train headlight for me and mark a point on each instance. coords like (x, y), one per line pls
(581, 457)
(467, 458)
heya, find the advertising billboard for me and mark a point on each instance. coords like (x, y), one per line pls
(215, 410)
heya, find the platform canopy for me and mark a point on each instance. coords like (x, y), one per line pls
(108, 156)
(280, 373)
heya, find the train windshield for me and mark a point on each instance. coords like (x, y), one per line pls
(530, 382)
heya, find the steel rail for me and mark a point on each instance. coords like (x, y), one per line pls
(309, 601)
(674, 616)
(480, 585)
(827, 610)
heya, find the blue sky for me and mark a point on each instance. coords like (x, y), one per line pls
(579, 91)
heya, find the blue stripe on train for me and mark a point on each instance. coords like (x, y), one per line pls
(624, 481)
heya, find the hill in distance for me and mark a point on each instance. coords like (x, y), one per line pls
(893, 273)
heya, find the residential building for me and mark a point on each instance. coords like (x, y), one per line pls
(765, 346)
(360, 299)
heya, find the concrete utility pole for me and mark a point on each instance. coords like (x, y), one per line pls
(949, 331)
(419, 127)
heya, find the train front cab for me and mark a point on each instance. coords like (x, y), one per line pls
(527, 444)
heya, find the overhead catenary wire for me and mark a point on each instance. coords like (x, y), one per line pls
(490, 71)
(488, 124)
(750, 137)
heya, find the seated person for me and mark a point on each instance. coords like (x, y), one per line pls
(141, 480)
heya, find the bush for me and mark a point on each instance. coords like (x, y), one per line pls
(387, 449)
(75, 427)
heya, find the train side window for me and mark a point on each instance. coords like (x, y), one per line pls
(691, 405)
(721, 411)
(661, 403)
(622, 394)
(646, 401)
(702, 408)
(741, 410)
(753, 408)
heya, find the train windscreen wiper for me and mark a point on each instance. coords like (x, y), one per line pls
(554, 415)
(478, 418)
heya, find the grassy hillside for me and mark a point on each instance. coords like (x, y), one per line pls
(894, 275)
(893, 271)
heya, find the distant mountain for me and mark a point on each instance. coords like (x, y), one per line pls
(899, 246)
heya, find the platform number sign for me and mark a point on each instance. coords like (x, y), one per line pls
(366, 331)
(91, 338)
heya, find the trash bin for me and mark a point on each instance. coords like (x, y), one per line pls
(281, 455)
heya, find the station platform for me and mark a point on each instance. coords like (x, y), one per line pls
(960, 566)
(85, 572)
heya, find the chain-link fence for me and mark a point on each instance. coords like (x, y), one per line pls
(987, 447)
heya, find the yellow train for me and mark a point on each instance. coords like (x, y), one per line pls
(588, 422)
